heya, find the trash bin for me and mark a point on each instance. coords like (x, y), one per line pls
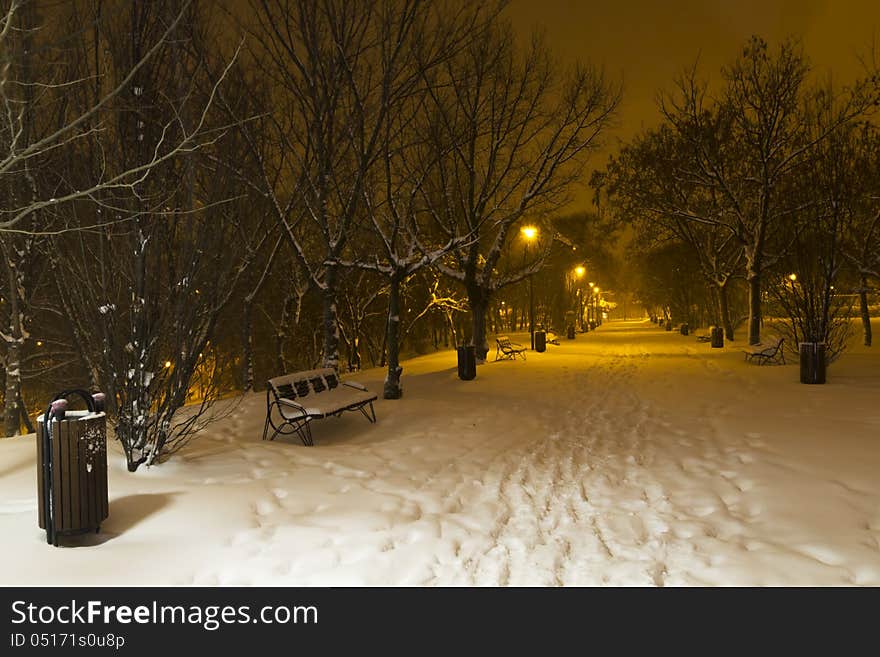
(717, 337)
(668, 324)
(72, 467)
(540, 341)
(812, 362)
(467, 362)
(570, 332)
(684, 329)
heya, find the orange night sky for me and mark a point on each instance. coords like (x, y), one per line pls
(648, 41)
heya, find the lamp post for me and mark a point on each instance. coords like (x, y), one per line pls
(529, 233)
(596, 314)
(590, 317)
(579, 273)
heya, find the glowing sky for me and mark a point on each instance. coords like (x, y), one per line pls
(649, 41)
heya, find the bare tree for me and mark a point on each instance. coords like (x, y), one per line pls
(142, 291)
(339, 69)
(42, 81)
(747, 144)
(861, 236)
(517, 131)
(651, 185)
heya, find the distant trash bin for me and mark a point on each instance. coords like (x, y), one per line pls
(668, 324)
(812, 355)
(717, 337)
(72, 467)
(570, 332)
(540, 341)
(684, 329)
(467, 362)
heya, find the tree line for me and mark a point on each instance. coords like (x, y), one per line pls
(197, 195)
(759, 189)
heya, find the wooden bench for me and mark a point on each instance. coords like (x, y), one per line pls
(774, 355)
(294, 400)
(507, 350)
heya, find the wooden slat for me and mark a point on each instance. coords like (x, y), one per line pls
(105, 495)
(91, 492)
(84, 484)
(73, 476)
(56, 475)
(68, 432)
(41, 511)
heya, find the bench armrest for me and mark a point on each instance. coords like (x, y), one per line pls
(355, 384)
(284, 401)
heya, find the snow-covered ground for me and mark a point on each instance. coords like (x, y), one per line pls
(630, 456)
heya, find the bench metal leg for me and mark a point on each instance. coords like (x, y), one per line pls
(371, 416)
(305, 433)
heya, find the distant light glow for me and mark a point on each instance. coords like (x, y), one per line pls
(580, 270)
(39, 343)
(167, 364)
(529, 232)
(792, 277)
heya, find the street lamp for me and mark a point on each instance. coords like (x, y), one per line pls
(596, 315)
(579, 272)
(590, 305)
(529, 233)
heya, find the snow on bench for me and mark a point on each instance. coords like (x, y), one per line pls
(293, 401)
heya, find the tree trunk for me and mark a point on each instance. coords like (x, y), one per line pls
(247, 347)
(25, 418)
(283, 331)
(331, 319)
(13, 339)
(724, 311)
(479, 303)
(754, 308)
(11, 423)
(865, 312)
(393, 389)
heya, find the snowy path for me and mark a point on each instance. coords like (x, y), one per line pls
(629, 456)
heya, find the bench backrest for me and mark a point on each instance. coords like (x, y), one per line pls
(304, 384)
(776, 348)
(772, 351)
(503, 341)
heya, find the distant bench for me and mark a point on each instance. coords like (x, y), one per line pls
(294, 400)
(507, 350)
(774, 355)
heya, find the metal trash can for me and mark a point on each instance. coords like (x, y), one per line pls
(570, 332)
(72, 467)
(684, 329)
(540, 341)
(668, 324)
(467, 362)
(812, 356)
(717, 337)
